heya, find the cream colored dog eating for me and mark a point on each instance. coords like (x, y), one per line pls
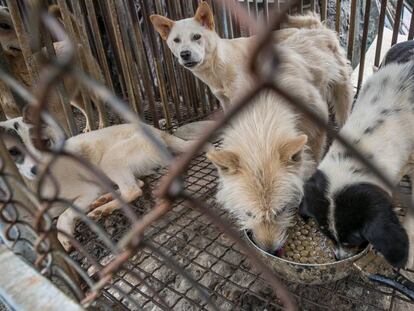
(271, 149)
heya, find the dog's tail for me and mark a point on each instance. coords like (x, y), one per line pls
(310, 21)
(178, 145)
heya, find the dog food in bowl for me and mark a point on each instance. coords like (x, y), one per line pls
(306, 244)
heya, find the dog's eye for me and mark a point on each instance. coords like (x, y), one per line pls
(5, 26)
(47, 143)
(196, 37)
(297, 157)
(14, 152)
(177, 40)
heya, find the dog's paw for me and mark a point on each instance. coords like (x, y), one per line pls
(87, 129)
(101, 201)
(95, 215)
(140, 183)
(66, 243)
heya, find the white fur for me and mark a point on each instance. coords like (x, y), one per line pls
(391, 144)
(121, 152)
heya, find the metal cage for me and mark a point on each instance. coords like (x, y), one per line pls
(174, 248)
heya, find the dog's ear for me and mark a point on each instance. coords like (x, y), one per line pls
(27, 114)
(292, 149)
(204, 15)
(226, 161)
(162, 24)
(386, 234)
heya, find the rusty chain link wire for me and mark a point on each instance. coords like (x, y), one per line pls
(33, 226)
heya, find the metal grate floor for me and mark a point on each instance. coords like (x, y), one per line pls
(214, 261)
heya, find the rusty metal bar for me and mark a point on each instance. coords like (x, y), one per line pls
(61, 90)
(411, 30)
(324, 9)
(24, 41)
(89, 59)
(397, 20)
(74, 35)
(367, 12)
(338, 16)
(97, 35)
(158, 63)
(171, 73)
(380, 32)
(351, 36)
(139, 51)
(111, 11)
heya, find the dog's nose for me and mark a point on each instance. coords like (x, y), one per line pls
(33, 170)
(185, 55)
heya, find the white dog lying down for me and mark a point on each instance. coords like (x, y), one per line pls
(222, 63)
(121, 152)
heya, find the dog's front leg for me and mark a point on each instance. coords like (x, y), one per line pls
(66, 223)
(67, 220)
(129, 192)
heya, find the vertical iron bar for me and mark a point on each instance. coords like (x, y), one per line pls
(396, 28)
(125, 57)
(170, 70)
(411, 31)
(74, 35)
(109, 29)
(352, 30)
(157, 59)
(364, 43)
(92, 65)
(139, 48)
(126, 37)
(338, 16)
(266, 10)
(61, 90)
(91, 12)
(324, 9)
(380, 32)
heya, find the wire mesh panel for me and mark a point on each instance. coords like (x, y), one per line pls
(173, 247)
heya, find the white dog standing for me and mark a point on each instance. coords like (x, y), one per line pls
(222, 63)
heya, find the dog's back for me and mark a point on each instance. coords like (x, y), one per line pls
(400, 53)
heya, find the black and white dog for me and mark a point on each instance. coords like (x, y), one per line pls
(350, 204)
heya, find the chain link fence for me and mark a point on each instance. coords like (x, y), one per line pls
(173, 248)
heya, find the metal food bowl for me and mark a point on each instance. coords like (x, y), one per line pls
(311, 274)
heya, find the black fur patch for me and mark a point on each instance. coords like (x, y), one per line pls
(359, 170)
(314, 203)
(341, 156)
(384, 82)
(388, 112)
(363, 212)
(400, 53)
(356, 141)
(16, 126)
(369, 130)
(12, 132)
(375, 99)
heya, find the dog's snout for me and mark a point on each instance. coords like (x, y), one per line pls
(185, 55)
(33, 170)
